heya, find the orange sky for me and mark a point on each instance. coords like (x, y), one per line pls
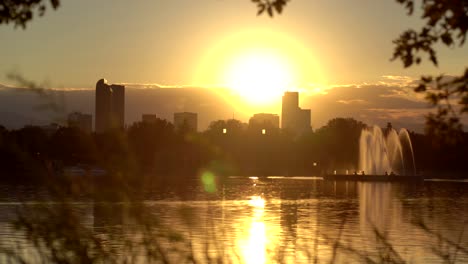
(315, 47)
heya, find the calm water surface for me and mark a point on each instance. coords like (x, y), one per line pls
(292, 220)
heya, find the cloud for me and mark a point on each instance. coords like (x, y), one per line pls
(156, 86)
(398, 80)
(390, 99)
(20, 108)
(354, 101)
(384, 113)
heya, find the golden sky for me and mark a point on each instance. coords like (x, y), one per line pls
(312, 46)
(174, 42)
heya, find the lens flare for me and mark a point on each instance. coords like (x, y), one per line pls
(208, 180)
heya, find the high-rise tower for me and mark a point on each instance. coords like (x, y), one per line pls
(289, 110)
(293, 118)
(118, 106)
(110, 106)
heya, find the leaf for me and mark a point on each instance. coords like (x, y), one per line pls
(433, 57)
(426, 79)
(261, 9)
(447, 38)
(270, 11)
(420, 88)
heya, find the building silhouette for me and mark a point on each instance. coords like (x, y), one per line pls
(264, 123)
(148, 118)
(110, 106)
(82, 121)
(293, 118)
(186, 120)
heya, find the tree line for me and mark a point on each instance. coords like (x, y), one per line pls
(227, 147)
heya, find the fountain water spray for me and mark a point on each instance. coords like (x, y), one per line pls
(380, 153)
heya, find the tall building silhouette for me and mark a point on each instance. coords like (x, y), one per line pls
(110, 106)
(293, 118)
(186, 120)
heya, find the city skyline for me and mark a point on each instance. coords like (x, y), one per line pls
(250, 131)
(295, 52)
(389, 101)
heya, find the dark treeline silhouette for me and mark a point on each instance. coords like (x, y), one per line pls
(227, 147)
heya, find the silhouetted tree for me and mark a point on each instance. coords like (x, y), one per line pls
(20, 12)
(72, 145)
(114, 153)
(339, 142)
(32, 139)
(225, 128)
(446, 22)
(23, 153)
(270, 6)
(152, 143)
(226, 139)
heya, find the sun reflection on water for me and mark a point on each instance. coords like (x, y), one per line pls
(253, 244)
(257, 202)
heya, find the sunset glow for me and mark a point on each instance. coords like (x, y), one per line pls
(259, 77)
(241, 131)
(258, 65)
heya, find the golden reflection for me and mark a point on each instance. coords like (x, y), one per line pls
(253, 244)
(257, 202)
(254, 249)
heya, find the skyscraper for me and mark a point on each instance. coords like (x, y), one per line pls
(110, 106)
(293, 118)
(289, 110)
(117, 106)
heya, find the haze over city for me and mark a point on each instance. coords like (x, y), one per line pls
(330, 52)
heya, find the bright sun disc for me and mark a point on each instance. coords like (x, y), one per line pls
(259, 77)
(256, 66)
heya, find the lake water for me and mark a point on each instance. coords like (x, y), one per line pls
(288, 220)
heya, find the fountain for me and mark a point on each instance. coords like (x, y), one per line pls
(381, 153)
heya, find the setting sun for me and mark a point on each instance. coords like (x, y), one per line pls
(258, 65)
(233, 131)
(259, 77)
